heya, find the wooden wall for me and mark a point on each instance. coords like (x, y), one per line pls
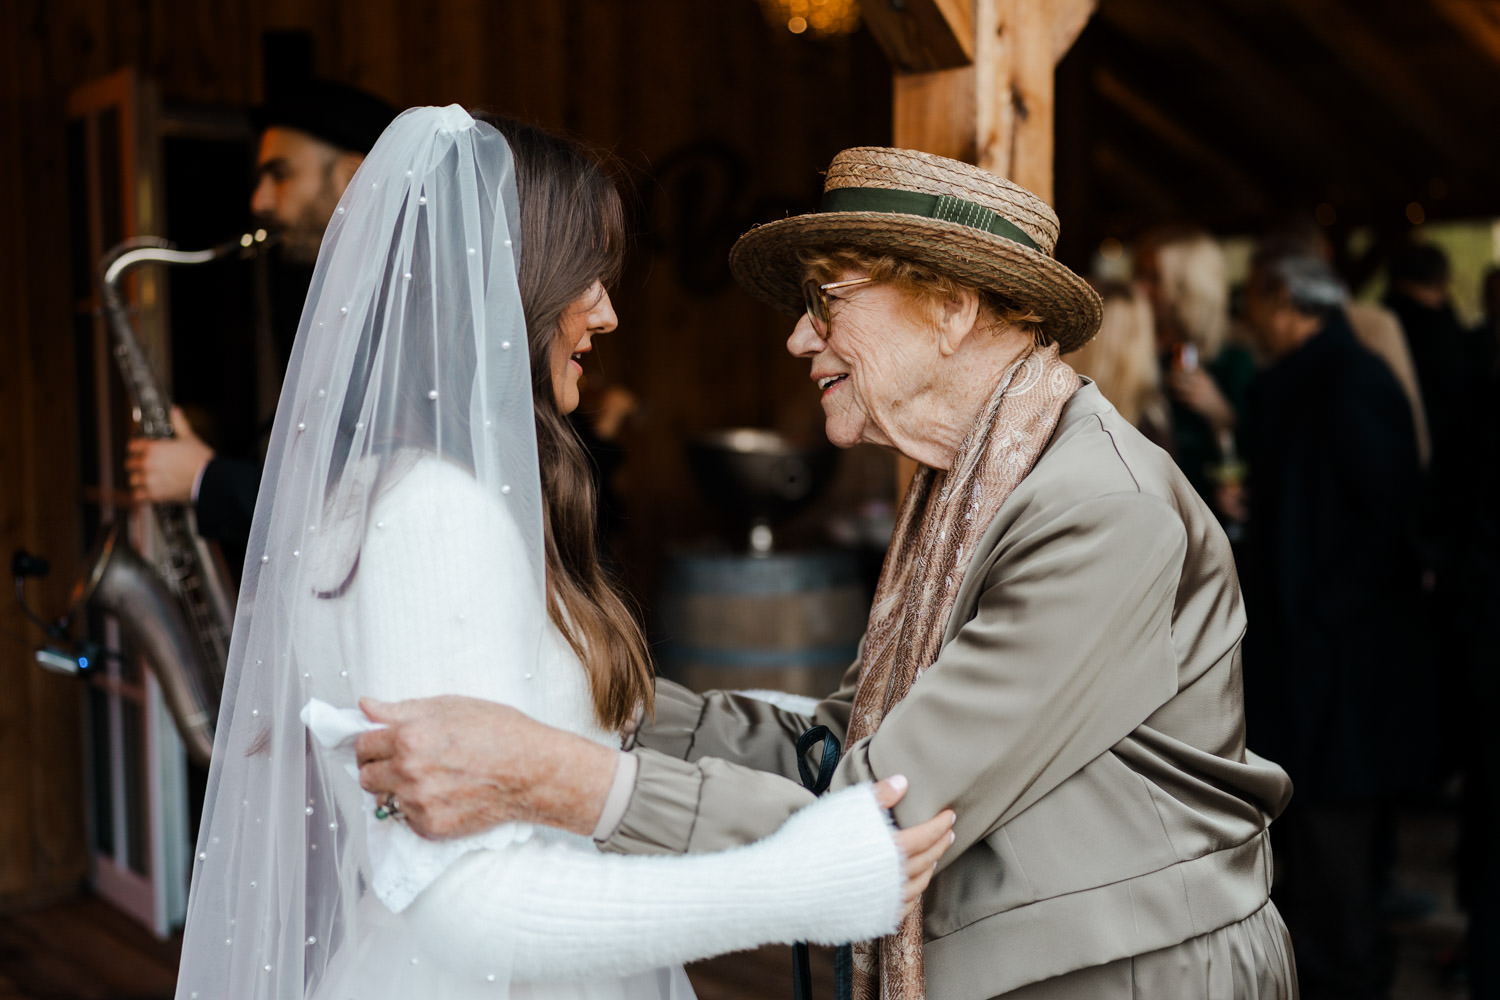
(722, 121)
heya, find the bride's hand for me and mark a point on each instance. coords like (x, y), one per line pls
(920, 845)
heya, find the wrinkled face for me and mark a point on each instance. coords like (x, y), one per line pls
(590, 314)
(879, 357)
(297, 189)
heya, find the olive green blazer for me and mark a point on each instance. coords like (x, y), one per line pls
(1084, 719)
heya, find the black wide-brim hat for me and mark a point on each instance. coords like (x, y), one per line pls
(345, 117)
(949, 216)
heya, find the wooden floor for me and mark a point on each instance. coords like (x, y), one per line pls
(83, 949)
(86, 950)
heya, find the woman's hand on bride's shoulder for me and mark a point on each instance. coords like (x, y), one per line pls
(922, 845)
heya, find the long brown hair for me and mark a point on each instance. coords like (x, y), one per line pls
(573, 234)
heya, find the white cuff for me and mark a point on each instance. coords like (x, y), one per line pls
(198, 481)
(618, 800)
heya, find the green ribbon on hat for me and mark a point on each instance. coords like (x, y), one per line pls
(944, 208)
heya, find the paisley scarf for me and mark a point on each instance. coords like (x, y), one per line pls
(939, 525)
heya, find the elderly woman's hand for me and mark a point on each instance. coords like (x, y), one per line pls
(921, 846)
(458, 766)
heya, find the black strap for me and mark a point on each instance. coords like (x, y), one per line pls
(831, 752)
(843, 956)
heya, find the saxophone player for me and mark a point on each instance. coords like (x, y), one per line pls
(312, 138)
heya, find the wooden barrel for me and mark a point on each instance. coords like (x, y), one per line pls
(787, 621)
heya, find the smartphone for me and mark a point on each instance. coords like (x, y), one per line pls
(1185, 357)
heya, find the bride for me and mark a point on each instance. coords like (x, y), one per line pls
(426, 527)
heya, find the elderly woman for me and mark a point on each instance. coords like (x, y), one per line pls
(1053, 652)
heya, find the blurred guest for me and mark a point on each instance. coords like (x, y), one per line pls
(1484, 341)
(1419, 296)
(1379, 331)
(1479, 845)
(1336, 678)
(1478, 599)
(1375, 327)
(1184, 275)
(1121, 359)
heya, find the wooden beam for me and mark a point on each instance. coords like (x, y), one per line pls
(1478, 23)
(1015, 92)
(921, 36)
(1261, 91)
(996, 110)
(935, 112)
(1069, 18)
(1385, 72)
(1139, 185)
(1150, 116)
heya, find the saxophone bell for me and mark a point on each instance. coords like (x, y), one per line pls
(123, 584)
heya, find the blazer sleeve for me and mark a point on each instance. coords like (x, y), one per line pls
(719, 769)
(1068, 651)
(738, 727)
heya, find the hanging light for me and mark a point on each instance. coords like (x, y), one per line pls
(819, 18)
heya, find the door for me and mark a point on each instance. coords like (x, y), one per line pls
(138, 814)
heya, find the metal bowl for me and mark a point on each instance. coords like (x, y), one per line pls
(758, 476)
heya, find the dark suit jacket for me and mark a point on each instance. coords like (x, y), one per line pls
(1337, 677)
(226, 504)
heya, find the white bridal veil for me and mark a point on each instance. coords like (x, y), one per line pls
(411, 349)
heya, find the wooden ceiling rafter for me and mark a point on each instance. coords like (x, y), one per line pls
(921, 36)
(1069, 18)
(1384, 72)
(1478, 24)
(1196, 193)
(1302, 125)
(1136, 183)
(1247, 195)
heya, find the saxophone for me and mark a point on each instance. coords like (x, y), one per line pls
(178, 612)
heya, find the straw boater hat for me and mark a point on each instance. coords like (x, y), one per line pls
(949, 216)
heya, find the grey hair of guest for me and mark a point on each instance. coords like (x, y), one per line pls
(1309, 281)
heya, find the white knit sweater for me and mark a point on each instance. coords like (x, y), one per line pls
(431, 611)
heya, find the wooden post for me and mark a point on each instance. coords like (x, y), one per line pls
(994, 110)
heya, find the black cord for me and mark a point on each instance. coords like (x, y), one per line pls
(88, 654)
(54, 629)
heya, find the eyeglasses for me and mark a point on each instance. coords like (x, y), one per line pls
(819, 309)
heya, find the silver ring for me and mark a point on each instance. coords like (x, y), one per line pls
(391, 809)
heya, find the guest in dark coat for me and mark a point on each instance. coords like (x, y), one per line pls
(1419, 296)
(1420, 280)
(1479, 689)
(1336, 674)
